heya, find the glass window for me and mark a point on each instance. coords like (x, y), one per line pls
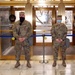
(43, 25)
(68, 22)
(5, 27)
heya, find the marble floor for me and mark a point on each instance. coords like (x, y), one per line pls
(38, 68)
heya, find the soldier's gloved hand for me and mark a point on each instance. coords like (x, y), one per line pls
(59, 40)
(21, 39)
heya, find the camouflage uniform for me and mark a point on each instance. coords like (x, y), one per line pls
(59, 31)
(23, 30)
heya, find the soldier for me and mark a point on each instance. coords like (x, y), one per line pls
(21, 32)
(59, 33)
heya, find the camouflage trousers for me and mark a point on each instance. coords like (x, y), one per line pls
(26, 48)
(56, 47)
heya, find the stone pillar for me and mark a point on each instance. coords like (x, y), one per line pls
(53, 15)
(28, 17)
(74, 26)
(61, 10)
(0, 40)
(28, 12)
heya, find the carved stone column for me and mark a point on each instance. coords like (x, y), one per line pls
(74, 26)
(53, 15)
(28, 12)
(28, 17)
(61, 10)
(0, 40)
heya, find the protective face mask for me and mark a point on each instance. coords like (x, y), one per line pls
(59, 21)
(22, 19)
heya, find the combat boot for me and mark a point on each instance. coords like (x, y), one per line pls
(54, 64)
(17, 64)
(64, 63)
(28, 64)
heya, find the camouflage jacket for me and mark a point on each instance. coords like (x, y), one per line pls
(59, 31)
(23, 30)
